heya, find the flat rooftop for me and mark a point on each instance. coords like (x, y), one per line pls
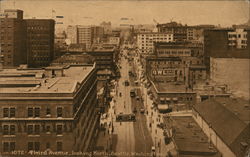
(189, 137)
(42, 81)
(171, 88)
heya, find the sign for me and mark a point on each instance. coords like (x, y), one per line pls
(163, 72)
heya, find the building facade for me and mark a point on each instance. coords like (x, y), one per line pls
(226, 43)
(84, 35)
(145, 41)
(40, 42)
(13, 38)
(72, 34)
(52, 110)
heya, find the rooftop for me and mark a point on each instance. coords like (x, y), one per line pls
(189, 137)
(229, 118)
(171, 88)
(64, 80)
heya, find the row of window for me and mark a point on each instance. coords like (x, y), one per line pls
(31, 112)
(32, 129)
(35, 146)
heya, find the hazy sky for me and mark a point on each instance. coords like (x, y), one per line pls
(87, 12)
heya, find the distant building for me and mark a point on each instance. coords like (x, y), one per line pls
(40, 42)
(84, 35)
(12, 13)
(51, 109)
(97, 34)
(114, 40)
(226, 43)
(107, 27)
(145, 41)
(226, 122)
(178, 30)
(13, 38)
(72, 34)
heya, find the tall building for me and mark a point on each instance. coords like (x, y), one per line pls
(107, 27)
(226, 43)
(178, 30)
(72, 34)
(84, 34)
(48, 110)
(97, 34)
(26, 41)
(145, 41)
(40, 42)
(13, 38)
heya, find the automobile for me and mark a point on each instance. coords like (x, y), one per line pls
(135, 110)
(137, 98)
(126, 83)
(142, 110)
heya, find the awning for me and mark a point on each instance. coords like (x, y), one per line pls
(168, 99)
(175, 99)
(162, 107)
(162, 99)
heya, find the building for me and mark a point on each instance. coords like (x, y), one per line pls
(73, 59)
(13, 38)
(145, 41)
(50, 110)
(176, 97)
(232, 71)
(97, 34)
(178, 30)
(104, 56)
(107, 27)
(40, 42)
(114, 40)
(72, 34)
(226, 43)
(84, 35)
(189, 139)
(226, 122)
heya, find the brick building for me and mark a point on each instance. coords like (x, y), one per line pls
(40, 42)
(53, 109)
(13, 38)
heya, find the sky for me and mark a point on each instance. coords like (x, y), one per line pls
(86, 12)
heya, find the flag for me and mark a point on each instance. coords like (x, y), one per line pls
(53, 11)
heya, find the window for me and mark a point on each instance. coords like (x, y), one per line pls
(37, 129)
(12, 129)
(9, 112)
(5, 146)
(37, 112)
(12, 112)
(5, 112)
(33, 146)
(48, 111)
(47, 145)
(47, 128)
(59, 111)
(6, 130)
(37, 146)
(9, 146)
(59, 146)
(9, 129)
(30, 146)
(59, 129)
(30, 112)
(30, 129)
